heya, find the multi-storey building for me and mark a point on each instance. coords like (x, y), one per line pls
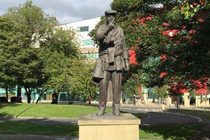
(82, 29)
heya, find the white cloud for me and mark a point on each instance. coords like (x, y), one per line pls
(66, 19)
(65, 10)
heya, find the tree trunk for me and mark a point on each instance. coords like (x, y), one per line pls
(28, 98)
(89, 100)
(19, 98)
(37, 101)
(54, 98)
(40, 95)
(90, 97)
(7, 94)
(28, 94)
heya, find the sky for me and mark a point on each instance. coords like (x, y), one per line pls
(65, 11)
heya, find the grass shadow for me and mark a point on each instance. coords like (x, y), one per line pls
(163, 126)
(8, 104)
(170, 131)
(4, 114)
(39, 127)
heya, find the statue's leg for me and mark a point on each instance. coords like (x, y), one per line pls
(103, 88)
(116, 82)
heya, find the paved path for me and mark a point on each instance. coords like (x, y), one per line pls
(157, 116)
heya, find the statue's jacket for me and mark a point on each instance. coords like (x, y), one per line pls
(112, 51)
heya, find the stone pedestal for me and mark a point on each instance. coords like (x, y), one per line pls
(163, 107)
(109, 127)
(197, 101)
(186, 99)
(145, 95)
(206, 103)
(168, 101)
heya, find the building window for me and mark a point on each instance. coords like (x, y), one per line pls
(83, 29)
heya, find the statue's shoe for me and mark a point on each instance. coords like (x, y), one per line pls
(101, 112)
(116, 112)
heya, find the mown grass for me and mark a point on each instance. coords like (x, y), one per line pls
(169, 131)
(154, 132)
(12, 109)
(12, 127)
(46, 110)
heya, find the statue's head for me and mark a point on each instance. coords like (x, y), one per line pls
(110, 12)
(110, 16)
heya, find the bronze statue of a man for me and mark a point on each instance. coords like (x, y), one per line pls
(112, 61)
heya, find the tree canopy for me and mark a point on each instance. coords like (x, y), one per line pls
(35, 53)
(171, 40)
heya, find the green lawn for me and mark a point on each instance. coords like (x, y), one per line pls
(173, 131)
(12, 109)
(11, 127)
(46, 110)
(169, 131)
(155, 132)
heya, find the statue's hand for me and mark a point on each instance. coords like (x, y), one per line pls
(111, 26)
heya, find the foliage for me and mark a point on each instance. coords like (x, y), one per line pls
(32, 67)
(81, 78)
(22, 61)
(170, 38)
(70, 74)
(161, 91)
(130, 85)
(32, 17)
(61, 41)
(8, 39)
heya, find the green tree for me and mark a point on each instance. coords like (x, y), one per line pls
(161, 92)
(57, 53)
(31, 66)
(171, 41)
(27, 18)
(81, 79)
(8, 39)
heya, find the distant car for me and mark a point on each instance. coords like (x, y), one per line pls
(67, 98)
